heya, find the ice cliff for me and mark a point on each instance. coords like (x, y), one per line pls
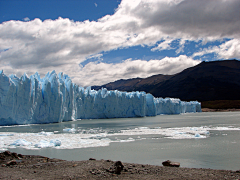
(54, 98)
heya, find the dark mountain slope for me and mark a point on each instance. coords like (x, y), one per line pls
(135, 84)
(121, 85)
(217, 80)
(208, 81)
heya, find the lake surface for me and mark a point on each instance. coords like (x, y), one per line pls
(199, 140)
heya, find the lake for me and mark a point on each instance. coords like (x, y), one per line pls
(196, 140)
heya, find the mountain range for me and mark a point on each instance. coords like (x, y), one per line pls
(207, 81)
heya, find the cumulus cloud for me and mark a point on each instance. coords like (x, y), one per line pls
(101, 73)
(227, 50)
(165, 45)
(63, 44)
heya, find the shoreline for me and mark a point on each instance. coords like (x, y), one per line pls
(219, 110)
(17, 166)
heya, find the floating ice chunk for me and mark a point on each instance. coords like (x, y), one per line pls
(21, 142)
(69, 130)
(6, 134)
(100, 138)
(55, 142)
(143, 128)
(224, 128)
(194, 129)
(3, 146)
(46, 144)
(127, 140)
(197, 135)
(42, 144)
(45, 133)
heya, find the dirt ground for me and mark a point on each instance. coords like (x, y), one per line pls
(17, 166)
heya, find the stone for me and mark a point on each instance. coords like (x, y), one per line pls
(15, 155)
(20, 155)
(13, 162)
(7, 153)
(2, 157)
(118, 166)
(170, 163)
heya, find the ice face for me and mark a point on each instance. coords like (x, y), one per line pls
(54, 98)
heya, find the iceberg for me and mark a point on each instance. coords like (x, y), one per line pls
(54, 98)
(21, 142)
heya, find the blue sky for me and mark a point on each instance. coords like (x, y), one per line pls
(99, 41)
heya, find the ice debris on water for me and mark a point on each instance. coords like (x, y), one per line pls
(46, 144)
(45, 133)
(100, 138)
(197, 135)
(54, 98)
(21, 142)
(70, 130)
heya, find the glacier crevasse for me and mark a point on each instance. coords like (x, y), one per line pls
(54, 98)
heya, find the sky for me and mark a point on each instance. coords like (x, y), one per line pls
(101, 41)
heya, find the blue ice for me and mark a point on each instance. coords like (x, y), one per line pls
(54, 98)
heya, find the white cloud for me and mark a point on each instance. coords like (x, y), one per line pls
(26, 19)
(165, 45)
(101, 73)
(62, 44)
(227, 50)
(181, 46)
(95, 4)
(95, 56)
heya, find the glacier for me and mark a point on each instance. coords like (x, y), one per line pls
(54, 98)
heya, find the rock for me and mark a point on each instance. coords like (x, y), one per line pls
(13, 162)
(15, 155)
(118, 170)
(118, 166)
(92, 159)
(20, 155)
(170, 163)
(7, 153)
(2, 157)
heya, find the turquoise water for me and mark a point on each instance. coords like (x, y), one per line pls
(199, 140)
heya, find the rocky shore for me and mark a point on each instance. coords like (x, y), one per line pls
(17, 166)
(219, 110)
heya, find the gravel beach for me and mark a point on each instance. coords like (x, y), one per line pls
(17, 166)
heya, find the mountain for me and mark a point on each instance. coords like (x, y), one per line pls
(135, 84)
(207, 81)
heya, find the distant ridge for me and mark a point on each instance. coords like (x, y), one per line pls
(207, 81)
